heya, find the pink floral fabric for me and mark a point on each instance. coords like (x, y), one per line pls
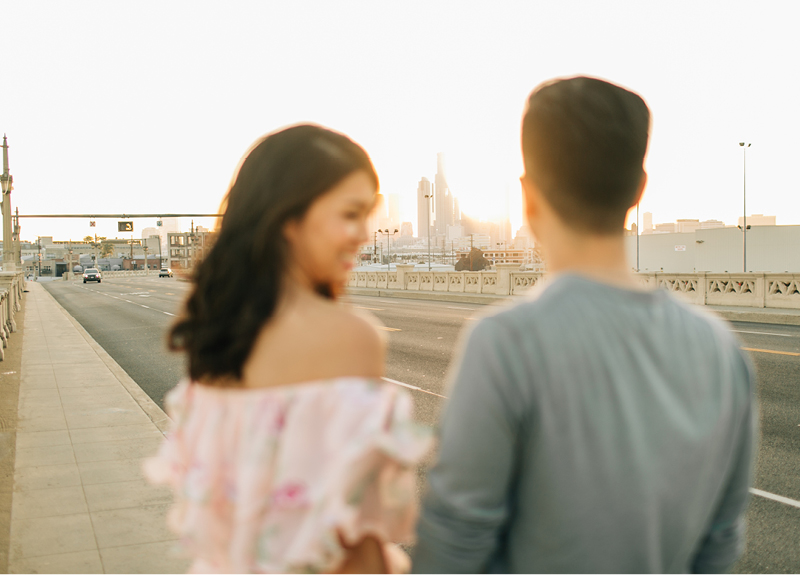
(266, 479)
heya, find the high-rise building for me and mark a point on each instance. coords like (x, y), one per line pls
(687, 226)
(647, 223)
(393, 202)
(424, 207)
(443, 199)
(377, 219)
(711, 224)
(759, 220)
(406, 229)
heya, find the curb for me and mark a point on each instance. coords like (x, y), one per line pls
(756, 316)
(157, 415)
(746, 315)
(431, 296)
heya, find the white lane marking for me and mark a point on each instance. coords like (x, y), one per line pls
(774, 497)
(754, 491)
(466, 308)
(144, 306)
(412, 387)
(369, 308)
(763, 333)
(384, 328)
(167, 313)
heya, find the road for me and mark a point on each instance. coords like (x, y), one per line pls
(129, 317)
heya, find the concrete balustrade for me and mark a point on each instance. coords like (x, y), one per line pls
(759, 290)
(12, 285)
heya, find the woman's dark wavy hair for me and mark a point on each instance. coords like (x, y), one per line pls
(238, 285)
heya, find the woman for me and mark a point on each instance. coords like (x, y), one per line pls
(288, 453)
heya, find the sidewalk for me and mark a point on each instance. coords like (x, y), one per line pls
(80, 503)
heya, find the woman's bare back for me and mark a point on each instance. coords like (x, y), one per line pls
(311, 339)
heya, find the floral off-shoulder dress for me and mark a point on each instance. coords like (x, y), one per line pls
(267, 480)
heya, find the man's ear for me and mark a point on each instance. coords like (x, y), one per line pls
(531, 201)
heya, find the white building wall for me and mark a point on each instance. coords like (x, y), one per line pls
(771, 249)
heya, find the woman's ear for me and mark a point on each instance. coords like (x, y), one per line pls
(291, 230)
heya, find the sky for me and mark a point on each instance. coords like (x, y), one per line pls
(147, 107)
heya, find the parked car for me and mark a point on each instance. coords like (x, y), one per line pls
(92, 275)
(165, 273)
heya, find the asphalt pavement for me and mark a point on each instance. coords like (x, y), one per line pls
(129, 318)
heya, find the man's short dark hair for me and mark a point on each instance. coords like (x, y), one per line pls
(583, 143)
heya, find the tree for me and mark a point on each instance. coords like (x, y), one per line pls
(473, 262)
(106, 248)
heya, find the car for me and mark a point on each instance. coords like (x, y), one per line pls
(165, 273)
(92, 275)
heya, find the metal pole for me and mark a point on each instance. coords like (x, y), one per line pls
(7, 180)
(744, 204)
(428, 211)
(637, 236)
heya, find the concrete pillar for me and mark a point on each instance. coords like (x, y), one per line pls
(504, 278)
(402, 270)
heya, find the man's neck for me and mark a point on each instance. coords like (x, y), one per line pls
(598, 257)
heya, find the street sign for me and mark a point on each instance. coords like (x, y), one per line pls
(91, 223)
(124, 226)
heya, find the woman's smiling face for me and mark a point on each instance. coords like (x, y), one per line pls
(324, 243)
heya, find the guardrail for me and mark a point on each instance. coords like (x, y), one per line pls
(760, 290)
(12, 284)
(113, 274)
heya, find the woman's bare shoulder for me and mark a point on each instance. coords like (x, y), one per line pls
(353, 328)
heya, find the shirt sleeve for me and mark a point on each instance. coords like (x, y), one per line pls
(466, 506)
(725, 539)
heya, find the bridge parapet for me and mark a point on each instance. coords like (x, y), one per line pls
(759, 290)
(12, 286)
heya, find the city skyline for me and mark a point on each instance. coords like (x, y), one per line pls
(99, 121)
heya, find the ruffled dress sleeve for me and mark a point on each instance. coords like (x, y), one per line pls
(272, 480)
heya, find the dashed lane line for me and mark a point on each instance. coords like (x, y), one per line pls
(763, 333)
(778, 498)
(369, 308)
(753, 490)
(464, 308)
(771, 351)
(412, 387)
(384, 328)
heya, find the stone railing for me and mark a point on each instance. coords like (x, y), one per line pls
(758, 290)
(506, 279)
(112, 274)
(12, 285)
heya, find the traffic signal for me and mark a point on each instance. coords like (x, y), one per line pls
(124, 226)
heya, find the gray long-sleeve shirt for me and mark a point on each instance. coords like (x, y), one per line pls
(592, 429)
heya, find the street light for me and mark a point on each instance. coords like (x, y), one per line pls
(388, 246)
(637, 236)
(428, 198)
(6, 185)
(744, 203)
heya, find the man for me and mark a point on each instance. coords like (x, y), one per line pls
(596, 426)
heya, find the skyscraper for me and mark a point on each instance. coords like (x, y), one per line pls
(443, 198)
(393, 201)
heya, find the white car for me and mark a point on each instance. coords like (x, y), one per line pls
(165, 273)
(92, 275)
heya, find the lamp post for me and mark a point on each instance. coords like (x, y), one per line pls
(428, 211)
(637, 236)
(388, 246)
(744, 204)
(7, 184)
